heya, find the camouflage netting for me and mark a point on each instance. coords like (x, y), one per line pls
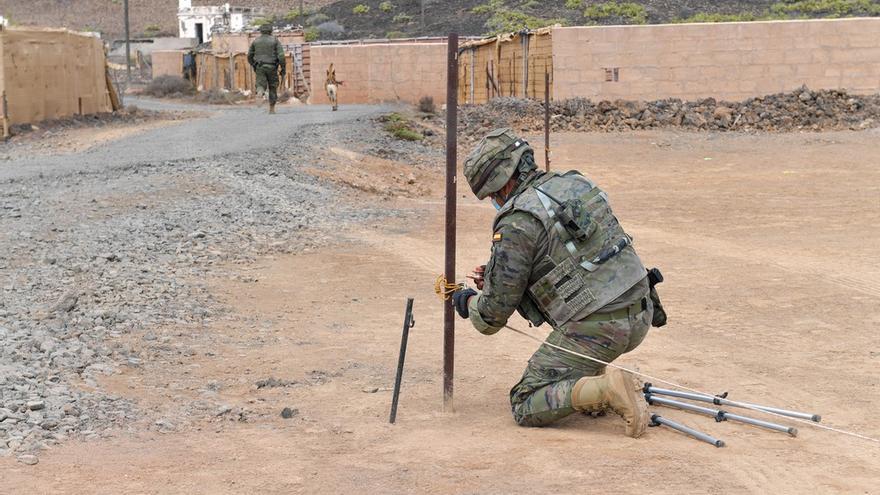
(801, 109)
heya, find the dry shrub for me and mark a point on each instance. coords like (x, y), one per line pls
(169, 86)
(426, 105)
(218, 97)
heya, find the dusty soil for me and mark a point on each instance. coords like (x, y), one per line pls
(768, 244)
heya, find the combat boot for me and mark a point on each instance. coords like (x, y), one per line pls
(616, 390)
(271, 108)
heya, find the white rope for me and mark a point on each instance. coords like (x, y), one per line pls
(682, 387)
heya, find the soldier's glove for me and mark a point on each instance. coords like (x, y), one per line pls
(460, 301)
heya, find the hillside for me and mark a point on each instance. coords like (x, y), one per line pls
(327, 19)
(105, 16)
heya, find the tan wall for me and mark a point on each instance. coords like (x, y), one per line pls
(381, 72)
(168, 63)
(241, 42)
(49, 74)
(727, 60)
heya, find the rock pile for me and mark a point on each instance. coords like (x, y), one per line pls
(802, 109)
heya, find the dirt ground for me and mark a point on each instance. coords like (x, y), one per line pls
(769, 248)
(70, 136)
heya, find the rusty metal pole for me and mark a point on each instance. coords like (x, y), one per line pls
(127, 42)
(546, 121)
(451, 172)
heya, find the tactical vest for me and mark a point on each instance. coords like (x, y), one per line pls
(590, 261)
(266, 50)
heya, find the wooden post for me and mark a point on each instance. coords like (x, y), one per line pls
(451, 173)
(5, 117)
(232, 71)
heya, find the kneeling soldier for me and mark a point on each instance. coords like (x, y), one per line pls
(559, 256)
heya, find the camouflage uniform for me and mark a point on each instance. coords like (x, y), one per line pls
(601, 313)
(266, 55)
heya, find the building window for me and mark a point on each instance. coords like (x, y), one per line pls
(612, 74)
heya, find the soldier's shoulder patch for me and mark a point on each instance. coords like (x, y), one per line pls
(496, 237)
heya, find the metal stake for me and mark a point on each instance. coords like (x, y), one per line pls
(408, 323)
(657, 420)
(451, 171)
(722, 401)
(127, 41)
(546, 121)
(720, 415)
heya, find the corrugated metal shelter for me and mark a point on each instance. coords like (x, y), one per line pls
(51, 73)
(510, 64)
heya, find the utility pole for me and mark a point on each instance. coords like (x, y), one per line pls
(301, 10)
(127, 41)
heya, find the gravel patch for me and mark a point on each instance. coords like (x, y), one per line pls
(99, 255)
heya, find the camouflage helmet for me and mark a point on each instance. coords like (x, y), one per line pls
(266, 28)
(494, 161)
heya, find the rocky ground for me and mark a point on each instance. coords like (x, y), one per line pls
(802, 109)
(100, 256)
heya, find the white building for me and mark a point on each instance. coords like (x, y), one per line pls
(201, 21)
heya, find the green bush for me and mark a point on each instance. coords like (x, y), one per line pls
(311, 34)
(400, 130)
(360, 9)
(716, 17)
(259, 21)
(505, 20)
(152, 28)
(386, 6)
(795, 9)
(826, 8)
(398, 126)
(574, 4)
(488, 8)
(626, 12)
(514, 20)
(318, 18)
(392, 117)
(395, 34)
(292, 16)
(402, 18)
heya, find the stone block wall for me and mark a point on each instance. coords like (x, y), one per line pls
(730, 61)
(376, 73)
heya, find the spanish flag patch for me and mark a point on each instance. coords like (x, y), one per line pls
(496, 237)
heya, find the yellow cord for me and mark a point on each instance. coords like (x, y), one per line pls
(444, 289)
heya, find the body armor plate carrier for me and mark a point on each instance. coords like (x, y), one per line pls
(590, 260)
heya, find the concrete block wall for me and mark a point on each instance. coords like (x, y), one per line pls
(376, 73)
(730, 61)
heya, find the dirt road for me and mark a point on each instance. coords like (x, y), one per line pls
(768, 244)
(223, 130)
